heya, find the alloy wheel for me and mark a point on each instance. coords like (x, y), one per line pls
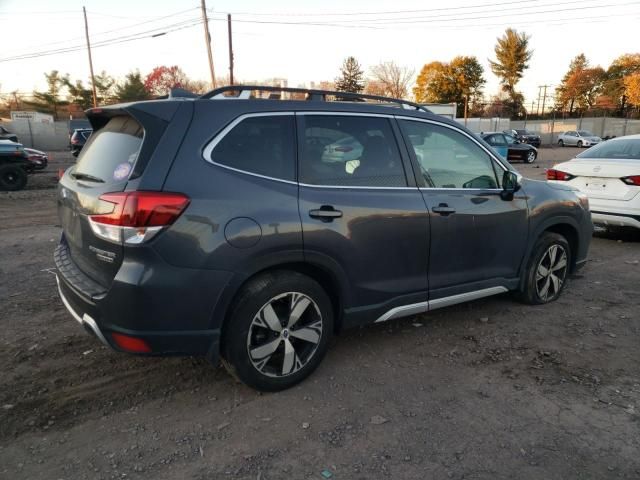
(551, 272)
(531, 156)
(284, 334)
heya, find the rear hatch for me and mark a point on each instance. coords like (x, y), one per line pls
(104, 165)
(601, 178)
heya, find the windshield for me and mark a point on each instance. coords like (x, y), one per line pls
(585, 133)
(617, 148)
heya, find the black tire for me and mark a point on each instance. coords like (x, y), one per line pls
(12, 178)
(533, 282)
(246, 330)
(579, 144)
(531, 156)
(561, 143)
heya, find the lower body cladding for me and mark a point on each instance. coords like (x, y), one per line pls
(166, 313)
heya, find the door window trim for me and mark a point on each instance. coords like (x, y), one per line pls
(474, 140)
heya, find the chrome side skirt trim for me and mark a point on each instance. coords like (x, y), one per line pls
(85, 319)
(465, 297)
(404, 311)
(422, 307)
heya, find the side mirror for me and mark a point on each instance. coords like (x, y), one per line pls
(510, 185)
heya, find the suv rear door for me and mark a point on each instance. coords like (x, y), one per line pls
(361, 211)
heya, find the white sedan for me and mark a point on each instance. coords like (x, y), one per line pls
(609, 174)
(578, 138)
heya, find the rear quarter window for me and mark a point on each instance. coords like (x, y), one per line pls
(263, 145)
(111, 153)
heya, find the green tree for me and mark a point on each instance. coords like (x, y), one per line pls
(131, 89)
(512, 59)
(49, 100)
(77, 93)
(351, 77)
(467, 74)
(104, 88)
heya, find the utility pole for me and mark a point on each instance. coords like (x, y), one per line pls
(544, 98)
(230, 49)
(538, 107)
(93, 79)
(207, 39)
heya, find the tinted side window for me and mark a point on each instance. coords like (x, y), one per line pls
(264, 145)
(496, 139)
(350, 151)
(449, 159)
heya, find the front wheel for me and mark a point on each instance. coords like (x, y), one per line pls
(278, 331)
(531, 156)
(579, 144)
(547, 270)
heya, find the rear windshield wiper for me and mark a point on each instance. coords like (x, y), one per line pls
(86, 176)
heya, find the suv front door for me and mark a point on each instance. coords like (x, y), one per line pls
(477, 239)
(362, 214)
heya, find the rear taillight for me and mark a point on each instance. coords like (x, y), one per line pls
(632, 180)
(136, 217)
(559, 175)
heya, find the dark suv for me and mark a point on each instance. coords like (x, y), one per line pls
(253, 229)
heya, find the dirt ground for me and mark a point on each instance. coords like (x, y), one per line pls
(487, 390)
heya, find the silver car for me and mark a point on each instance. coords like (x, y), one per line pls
(578, 138)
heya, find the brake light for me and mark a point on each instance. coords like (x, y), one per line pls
(136, 217)
(559, 175)
(632, 180)
(131, 344)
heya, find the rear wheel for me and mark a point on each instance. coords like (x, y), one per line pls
(531, 156)
(12, 178)
(547, 269)
(278, 331)
(561, 143)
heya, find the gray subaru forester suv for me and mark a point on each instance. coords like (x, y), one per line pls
(252, 223)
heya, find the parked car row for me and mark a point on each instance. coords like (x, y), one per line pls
(16, 162)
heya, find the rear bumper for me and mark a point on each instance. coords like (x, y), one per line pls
(615, 219)
(167, 307)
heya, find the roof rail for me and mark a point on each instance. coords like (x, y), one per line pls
(244, 92)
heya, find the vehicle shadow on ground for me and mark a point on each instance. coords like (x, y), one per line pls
(630, 235)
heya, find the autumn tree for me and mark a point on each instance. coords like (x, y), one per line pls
(162, 79)
(351, 77)
(392, 78)
(49, 100)
(614, 83)
(632, 88)
(460, 81)
(512, 59)
(131, 89)
(566, 93)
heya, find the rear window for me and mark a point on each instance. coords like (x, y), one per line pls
(112, 151)
(622, 148)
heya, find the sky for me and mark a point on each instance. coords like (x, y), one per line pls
(306, 41)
